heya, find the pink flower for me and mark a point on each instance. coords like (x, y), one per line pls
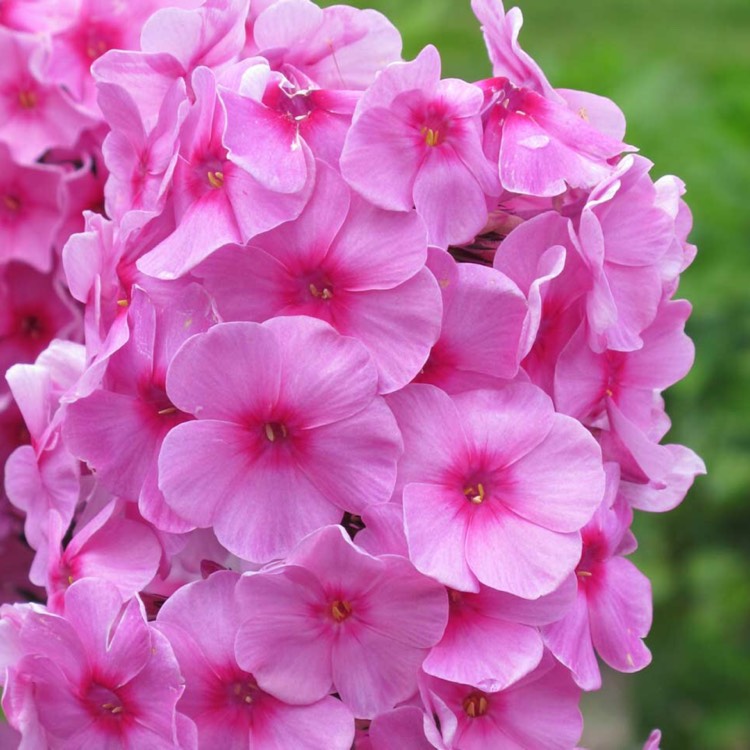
(612, 611)
(34, 116)
(230, 710)
(416, 141)
(491, 477)
(335, 618)
(215, 200)
(30, 211)
(98, 676)
(357, 267)
(540, 711)
(289, 433)
(492, 639)
(119, 428)
(484, 317)
(338, 47)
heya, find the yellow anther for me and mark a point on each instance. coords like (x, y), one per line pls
(340, 610)
(273, 429)
(216, 179)
(583, 573)
(112, 708)
(96, 49)
(11, 203)
(168, 410)
(431, 136)
(122, 302)
(27, 99)
(475, 704)
(247, 699)
(326, 293)
(270, 434)
(608, 392)
(475, 494)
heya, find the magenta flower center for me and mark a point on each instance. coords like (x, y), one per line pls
(341, 610)
(31, 327)
(476, 704)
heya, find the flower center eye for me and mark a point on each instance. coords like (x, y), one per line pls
(476, 704)
(31, 327)
(215, 179)
(340, 610)
(27, 99)
(274, 431)
(474, 493)
(245, 691)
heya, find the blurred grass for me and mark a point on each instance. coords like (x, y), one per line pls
(681, 73)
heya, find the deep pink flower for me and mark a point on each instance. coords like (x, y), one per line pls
(229, 708)
(357, 267)
(289, 433)
(416, 141)
(491, 477)
(336, 618)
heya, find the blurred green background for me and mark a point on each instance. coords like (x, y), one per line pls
(681, 73)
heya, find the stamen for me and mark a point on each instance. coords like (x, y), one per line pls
(168, 410)
(122, 302)
(27, 99)
(340, 610)
(326, 293)
(11, 203)
(476, 704)
(270, 434)
(112, 708)
(96, 49)
(431, 136)
(475, 495)
(583, 573)
(216, 179)
(274, 430)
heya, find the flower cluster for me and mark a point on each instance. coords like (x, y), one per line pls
(327, 428)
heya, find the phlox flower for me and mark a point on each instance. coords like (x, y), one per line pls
(215, 201)
(30, 211)
(490, 478)
(484, 319)
(289, 433)
(118, 429)
(202, 621)
(539, 711)
(402, 727)
(34, 115)
(335, 618)
(612, 609)
(355, 266)
(95, 677)
(338, 47)
(416, 141)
